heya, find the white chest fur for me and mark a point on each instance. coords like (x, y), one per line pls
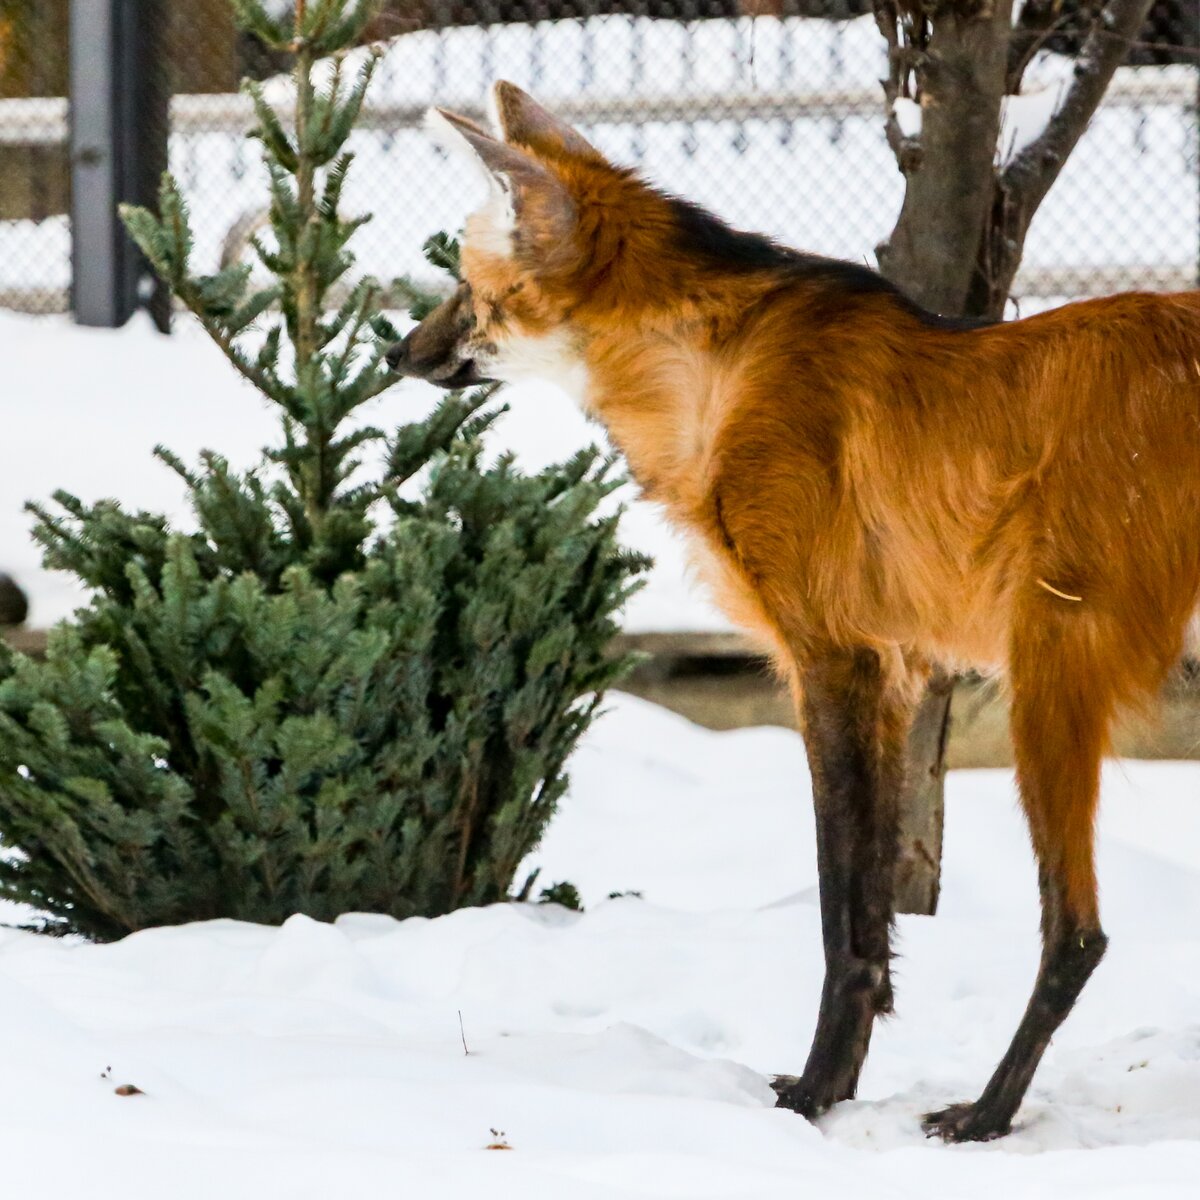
(551, 358)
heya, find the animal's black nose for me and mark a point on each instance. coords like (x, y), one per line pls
(397, 356)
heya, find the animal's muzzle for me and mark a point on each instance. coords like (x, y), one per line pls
(445, 373)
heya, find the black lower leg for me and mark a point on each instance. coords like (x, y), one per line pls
(1067, 962)
(854, 744)
(852, 995)
(1060, 713)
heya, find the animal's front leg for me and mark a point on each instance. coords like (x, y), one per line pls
(855, 726)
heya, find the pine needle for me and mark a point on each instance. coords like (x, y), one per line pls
(1055, 592)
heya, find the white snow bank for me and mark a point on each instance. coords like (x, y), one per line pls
(623, 1052)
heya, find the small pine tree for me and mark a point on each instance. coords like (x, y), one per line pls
(334, 694)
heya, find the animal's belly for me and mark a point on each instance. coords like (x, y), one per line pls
(958, 621)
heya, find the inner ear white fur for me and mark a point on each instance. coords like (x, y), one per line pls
(490, 227)
(493, 112)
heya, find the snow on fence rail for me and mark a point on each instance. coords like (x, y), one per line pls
(1132, 88)
(43, 121)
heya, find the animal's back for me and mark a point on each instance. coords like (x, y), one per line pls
(908, 482)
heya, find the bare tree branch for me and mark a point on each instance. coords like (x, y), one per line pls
(1022, 185)
(1039, 21)
(1029, 176)
(904, 43)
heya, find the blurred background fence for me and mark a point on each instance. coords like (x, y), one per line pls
(768, 111)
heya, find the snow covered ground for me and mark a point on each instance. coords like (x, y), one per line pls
(621, 1053)
(84, 408)
(624, 1052)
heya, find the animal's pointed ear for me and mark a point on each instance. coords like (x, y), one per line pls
(461, 135)
(529, 206)
(458, 123)
(522, 121)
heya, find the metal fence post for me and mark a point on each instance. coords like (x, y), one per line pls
(118, 140)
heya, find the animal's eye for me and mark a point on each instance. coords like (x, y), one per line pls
(488, 311)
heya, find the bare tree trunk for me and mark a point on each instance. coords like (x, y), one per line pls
(959, 238)
(919, 861)
(954, 60)
(956, 67)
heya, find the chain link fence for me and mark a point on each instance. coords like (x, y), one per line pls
(775, 121)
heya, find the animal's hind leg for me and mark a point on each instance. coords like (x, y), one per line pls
(854, 729)
(1061, 709)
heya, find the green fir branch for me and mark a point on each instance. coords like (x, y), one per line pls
(347, 689)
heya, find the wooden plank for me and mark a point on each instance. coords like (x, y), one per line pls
(716, 680)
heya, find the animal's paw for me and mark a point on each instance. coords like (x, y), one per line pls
(793, 1093)
(964, 1123)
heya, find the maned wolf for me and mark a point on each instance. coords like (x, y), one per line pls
(870, 489)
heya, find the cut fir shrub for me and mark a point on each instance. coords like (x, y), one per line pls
(335, 694)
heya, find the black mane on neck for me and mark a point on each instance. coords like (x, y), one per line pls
(720, 246)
